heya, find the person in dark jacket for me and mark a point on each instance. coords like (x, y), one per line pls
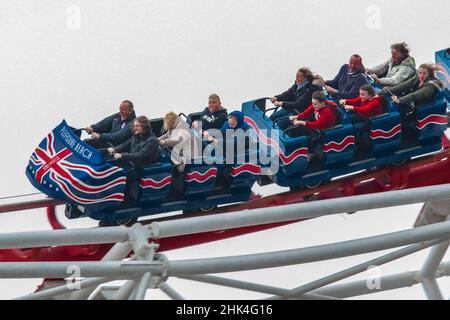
(142, 149)
(114, 129)
(349, 79)
(297, 98)
(235, 122)
(213, 116)
(414, 93)
(420, 90)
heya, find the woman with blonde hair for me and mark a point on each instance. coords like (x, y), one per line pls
(178, 136)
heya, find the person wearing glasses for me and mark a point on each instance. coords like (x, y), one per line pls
(141, 149)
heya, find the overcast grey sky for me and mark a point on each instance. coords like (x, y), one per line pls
(78, 59)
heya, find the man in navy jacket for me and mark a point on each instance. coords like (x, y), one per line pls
(349, 79)
(113, 130)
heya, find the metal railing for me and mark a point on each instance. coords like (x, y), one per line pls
(146, 268)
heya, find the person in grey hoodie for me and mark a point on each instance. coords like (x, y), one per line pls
(399, 68)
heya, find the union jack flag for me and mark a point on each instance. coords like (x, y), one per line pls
(65, 168)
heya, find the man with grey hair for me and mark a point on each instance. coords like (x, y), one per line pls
(113, 130)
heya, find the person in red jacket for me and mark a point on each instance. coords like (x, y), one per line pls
(319, 115)
(361, 109)
(367, 105)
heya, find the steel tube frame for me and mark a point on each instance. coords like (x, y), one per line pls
(35, 239)
(57, 291)
(249, 286)
(125, 291)
(428, 271)
(170, 292)
(391, 282)
(113, 269)
(298, 211)
(310, 254)
(118, 252)
(360, 268)
(143, 285)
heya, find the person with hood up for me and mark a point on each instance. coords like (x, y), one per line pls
(397, 69)
(113, 130)
(349, 79)
(230, 138)
(297, 98)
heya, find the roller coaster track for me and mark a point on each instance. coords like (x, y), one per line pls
(428, 170)
(424, 171)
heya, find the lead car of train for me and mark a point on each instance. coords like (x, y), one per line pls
(66, 168)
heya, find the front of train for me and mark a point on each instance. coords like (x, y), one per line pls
(66, 168)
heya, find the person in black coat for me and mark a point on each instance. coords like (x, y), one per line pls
(297, 98)
(113, 130)
(142, 149)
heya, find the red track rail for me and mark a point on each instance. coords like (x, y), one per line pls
(425, 171)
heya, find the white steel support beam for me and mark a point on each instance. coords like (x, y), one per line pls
(118, 252)
(110, 269)
(429, 269)
(387, 283)
(310, 254)
(297, 292)
(298, 211)
(170, 292)
(37, 239)
(238, 284)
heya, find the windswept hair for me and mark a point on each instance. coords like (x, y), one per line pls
(432, 68)
(307, 73)
(401, 47)
(169, 121)
(130, 104)
(145, 123)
